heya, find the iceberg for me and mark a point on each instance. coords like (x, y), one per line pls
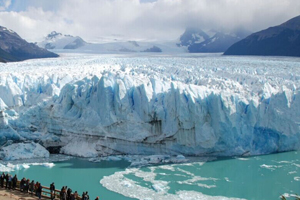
(100, 105)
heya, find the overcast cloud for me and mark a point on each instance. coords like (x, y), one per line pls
(94, 20)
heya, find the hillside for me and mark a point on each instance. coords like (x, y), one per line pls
(282, 40)
(14, 48)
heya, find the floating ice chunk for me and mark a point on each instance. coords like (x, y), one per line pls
(195, 181)
(113, 158)
(206, 186)
(297, 178)
(158, 187)
(48, 165)
(227, 179)
(270, 167)
(286, 162)
(25, 166)
(243, 158)
(287, 195)
(167, 167)
(297, 165)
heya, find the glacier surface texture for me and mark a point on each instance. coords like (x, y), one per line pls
(91, 105)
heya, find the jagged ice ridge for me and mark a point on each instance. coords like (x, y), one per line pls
(207, 105)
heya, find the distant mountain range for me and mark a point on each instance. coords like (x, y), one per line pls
(14, 48)
(282, 40)
(57, 42)
(199, 41)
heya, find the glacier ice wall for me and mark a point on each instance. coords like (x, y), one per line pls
(209, 105)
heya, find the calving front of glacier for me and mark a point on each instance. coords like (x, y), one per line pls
(102, 105)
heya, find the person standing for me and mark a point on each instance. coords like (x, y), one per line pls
(22, 182)
(39, 191)
(61, 193)
(26, 187)
(6, 179)
(72, 197)
(36, 186)
(69, 191)
(76, 195)
(2, 179)
(52, 191)
(9, 181)
(14, 182)
(64, 194)
(87, 197)
(31, 187)
(83, 196)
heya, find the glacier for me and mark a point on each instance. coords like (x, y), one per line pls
(20, 151)
(194, 105)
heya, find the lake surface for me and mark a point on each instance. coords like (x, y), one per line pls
(260, 177)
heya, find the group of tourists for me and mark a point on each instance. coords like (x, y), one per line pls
(31, 187)
(10, 182)
(25, 185)
(66, 194)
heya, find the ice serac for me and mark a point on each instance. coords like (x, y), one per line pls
(19, 151)
(100, 105)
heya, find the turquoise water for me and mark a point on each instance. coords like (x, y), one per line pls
(78, 174)
(261, 177)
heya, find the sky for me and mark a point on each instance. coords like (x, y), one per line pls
(151, 20)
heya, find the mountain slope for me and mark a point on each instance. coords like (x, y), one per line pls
(56, 40)
(282, 40)
(14, 48)
(196, 40)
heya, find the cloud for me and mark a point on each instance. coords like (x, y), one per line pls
(5, 4)
(142, 19)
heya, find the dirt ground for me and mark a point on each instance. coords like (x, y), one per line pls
(15, 195)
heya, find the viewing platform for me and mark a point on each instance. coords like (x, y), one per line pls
(8, 194)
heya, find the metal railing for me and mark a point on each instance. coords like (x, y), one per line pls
(46, 192)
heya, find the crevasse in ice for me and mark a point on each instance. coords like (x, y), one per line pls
(153, 105)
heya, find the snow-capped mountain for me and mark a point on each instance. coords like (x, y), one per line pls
(56, 40)
(101, 105)
(197, 40)
(281, 40)
(14, 48)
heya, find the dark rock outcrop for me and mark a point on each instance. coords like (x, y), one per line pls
(282, 40)
(14, 48)
(153, 49)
